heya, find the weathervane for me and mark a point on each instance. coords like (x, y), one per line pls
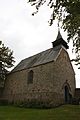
(58, 26)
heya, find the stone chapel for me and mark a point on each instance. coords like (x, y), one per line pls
(46, 77)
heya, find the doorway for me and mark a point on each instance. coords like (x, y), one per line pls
(68, 96)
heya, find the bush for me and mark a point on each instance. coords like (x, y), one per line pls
(75, 101)
(3, 101)
(35, 104)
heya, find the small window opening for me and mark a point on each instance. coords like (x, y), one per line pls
(30, 77)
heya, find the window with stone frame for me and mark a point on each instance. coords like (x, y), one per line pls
(30, 77)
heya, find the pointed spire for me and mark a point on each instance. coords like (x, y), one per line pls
(59, 40)
(59, 35)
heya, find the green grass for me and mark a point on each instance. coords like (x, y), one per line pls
(67, 112)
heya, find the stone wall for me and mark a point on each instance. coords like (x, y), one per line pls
(48, 82)
(77, 93)
(65, 72)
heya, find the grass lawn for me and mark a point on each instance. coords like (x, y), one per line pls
(67, 112)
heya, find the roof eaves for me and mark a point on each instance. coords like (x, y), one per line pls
(31, 67)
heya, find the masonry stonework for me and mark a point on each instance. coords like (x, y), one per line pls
(48, 84)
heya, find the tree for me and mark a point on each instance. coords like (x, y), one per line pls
(6, 61)
(68, 14)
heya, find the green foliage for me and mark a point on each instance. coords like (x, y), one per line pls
(68, 112)
(6, 60)
(6, 56)
(3, 102)
(35, 104)
(68, 13)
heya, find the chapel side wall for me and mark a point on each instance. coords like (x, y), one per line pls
(17, 88)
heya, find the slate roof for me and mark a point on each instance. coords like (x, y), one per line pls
(38, 59)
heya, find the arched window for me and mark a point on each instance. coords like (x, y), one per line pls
(30, 77)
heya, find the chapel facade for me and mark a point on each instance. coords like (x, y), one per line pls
(46, 77)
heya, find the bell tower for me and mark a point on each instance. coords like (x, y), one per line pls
(60, 41)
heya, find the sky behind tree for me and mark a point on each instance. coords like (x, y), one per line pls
(27, 35)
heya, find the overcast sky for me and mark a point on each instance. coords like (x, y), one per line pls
(27, 35)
